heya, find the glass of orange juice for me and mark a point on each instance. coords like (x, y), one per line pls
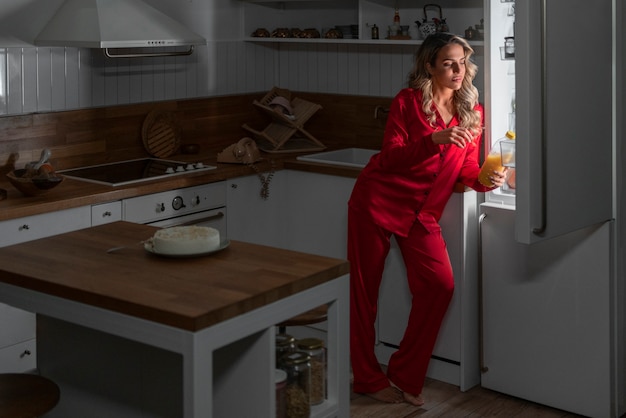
(507, 152)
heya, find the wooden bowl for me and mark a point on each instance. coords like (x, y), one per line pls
(33, 186)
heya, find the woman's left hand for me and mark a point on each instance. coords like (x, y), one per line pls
(498, 177)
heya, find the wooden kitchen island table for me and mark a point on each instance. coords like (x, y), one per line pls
(132, 334)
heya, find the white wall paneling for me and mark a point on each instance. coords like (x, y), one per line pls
(56, 79)
(41, 79)
(341, 68)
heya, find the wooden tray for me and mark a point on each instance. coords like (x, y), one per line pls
(160, 134)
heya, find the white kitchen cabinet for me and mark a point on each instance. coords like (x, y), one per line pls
(14, 231)
(105, 213)
(252, 218)
(305, 212)
(455, 356)
(317, 213)
(324, 15)
(17, 340)
(17, 327)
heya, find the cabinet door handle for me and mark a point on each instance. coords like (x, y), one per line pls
(209, 218)
(481, 349)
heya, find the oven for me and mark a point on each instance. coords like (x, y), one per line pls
(203, 205)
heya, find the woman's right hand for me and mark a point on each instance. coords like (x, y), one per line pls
(461, 137)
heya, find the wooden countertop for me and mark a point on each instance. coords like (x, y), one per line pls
(187, 293)
(75, 193)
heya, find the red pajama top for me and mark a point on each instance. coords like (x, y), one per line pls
(412, 178)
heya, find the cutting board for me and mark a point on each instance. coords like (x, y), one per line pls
(160, 134)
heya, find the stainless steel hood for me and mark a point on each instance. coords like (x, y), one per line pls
(114, 24)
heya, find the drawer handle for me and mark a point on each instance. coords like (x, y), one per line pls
(218, 215)
(25, 353)
(105, 214)
(23, 227)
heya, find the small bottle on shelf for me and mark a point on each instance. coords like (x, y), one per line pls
(374, 32)
(395, 28)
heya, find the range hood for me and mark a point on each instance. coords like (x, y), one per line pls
(115, 24)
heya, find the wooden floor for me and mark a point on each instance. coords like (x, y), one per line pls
(445, 400)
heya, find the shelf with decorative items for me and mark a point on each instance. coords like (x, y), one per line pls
(382, 22)
(348, 41)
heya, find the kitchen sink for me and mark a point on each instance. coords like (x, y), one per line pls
(347, 157)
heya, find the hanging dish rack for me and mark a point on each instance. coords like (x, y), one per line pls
(286, 133)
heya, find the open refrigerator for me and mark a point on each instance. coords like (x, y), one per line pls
(551, 280)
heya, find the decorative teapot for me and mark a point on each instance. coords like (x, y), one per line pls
(428, 27)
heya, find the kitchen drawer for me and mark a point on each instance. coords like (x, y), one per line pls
(14, 231)
(106, 212)
(19, 358)
(16, 325)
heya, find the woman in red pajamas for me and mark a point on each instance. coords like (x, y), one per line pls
(431, 142)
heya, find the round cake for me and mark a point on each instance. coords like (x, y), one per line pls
(181, 240)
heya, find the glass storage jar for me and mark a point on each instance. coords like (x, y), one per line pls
(509, 47)
(298, 368)
(285, 344)
(314, 348)
(281, 393)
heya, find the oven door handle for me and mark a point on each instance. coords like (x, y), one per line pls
(218, 215)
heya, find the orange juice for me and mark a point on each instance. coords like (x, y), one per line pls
(491, 164)
(508, 158)
(498, 158)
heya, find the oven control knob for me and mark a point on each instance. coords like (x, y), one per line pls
(195, 201)
(177, 203)
(169, 170)
(190, 167)
(180, 168)
(160, 207)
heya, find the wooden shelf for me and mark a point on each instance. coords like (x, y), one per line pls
(346, 41)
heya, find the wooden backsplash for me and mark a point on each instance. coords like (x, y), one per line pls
(94, 136)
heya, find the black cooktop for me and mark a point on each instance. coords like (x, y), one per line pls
(133, 171)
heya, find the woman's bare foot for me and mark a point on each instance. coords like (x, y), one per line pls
(413, 400)
(388, 395)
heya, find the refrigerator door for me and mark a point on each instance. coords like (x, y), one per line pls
(564, 88)
(546, 316)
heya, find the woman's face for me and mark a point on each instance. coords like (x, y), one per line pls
(449, 69)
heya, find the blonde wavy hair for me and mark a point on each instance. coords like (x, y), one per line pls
(466, 98)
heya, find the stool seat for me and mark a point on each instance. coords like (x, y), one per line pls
(26, 395)
(319, 314)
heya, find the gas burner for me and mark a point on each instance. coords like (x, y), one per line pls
(134, 171)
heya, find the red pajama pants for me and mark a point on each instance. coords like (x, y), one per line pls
(431, 282)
